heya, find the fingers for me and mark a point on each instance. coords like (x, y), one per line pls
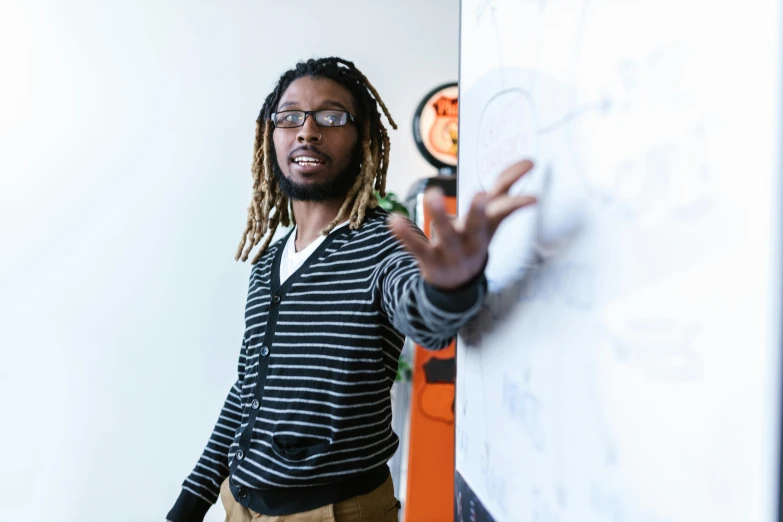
(410, 238)
(501, 208)
(476, 218)
(441, 223)
(510, 176)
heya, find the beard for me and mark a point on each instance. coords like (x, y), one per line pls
(330, 190)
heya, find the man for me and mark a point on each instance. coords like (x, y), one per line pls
(305, 432)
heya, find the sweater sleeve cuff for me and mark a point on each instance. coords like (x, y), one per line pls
(188, 508)
(460, 299)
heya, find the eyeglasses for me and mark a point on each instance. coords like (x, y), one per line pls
(323, 118)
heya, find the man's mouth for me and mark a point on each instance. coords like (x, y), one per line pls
(307, 161)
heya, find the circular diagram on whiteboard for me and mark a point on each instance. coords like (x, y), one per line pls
(435, 126)
(508, 132)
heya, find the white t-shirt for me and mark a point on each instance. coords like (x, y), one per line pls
(292, 259)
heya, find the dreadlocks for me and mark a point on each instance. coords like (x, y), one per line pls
(269, 207)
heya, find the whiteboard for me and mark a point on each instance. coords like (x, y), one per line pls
(626, 365)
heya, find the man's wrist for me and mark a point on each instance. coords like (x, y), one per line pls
(460, 299)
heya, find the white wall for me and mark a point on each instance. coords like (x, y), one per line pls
(126, 131)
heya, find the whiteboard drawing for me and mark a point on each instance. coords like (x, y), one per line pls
(625, 365)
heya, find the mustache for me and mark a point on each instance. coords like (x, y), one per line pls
(310, 148)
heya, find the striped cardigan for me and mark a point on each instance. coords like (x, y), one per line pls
(308, 421)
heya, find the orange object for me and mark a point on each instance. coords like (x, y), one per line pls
(430, 482)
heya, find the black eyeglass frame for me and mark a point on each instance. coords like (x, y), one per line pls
(273, 118)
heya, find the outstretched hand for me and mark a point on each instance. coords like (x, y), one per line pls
(459, 251)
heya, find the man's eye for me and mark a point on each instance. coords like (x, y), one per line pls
(293, 117)
(330, 118)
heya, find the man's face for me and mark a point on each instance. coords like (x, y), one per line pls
(331, 165)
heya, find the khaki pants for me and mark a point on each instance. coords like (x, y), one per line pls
(379, 505)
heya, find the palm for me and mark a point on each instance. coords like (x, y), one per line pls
(459, 250)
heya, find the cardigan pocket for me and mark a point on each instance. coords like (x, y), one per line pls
(293, 449)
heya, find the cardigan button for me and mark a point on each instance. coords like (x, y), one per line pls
(275, 299)
(264, 351)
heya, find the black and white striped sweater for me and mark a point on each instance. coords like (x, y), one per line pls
(308, 421)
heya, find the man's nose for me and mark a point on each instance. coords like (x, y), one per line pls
(308, 131)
